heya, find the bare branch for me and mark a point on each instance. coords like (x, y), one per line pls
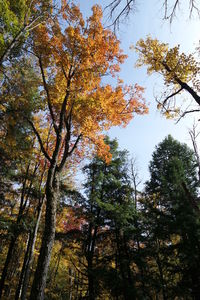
(193, 135)
(120, 9)
(187, 112)
(172, 95)
(135, 179)
(170, 12)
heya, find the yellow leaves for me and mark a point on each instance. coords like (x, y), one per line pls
(171, 114)
(103, 150)
(175, 67)
(151, 53)
(167, 115)
(156, 56)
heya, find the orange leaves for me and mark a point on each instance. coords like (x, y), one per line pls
(76, 58)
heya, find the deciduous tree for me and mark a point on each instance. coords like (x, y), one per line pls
(73, 57)
(180, 74)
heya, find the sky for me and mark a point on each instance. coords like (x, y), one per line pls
(144, 132)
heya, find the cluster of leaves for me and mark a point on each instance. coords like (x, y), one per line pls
(180, 72)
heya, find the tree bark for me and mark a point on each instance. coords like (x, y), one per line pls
(40, 278)
(6, 265)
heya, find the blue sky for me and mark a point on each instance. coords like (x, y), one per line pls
(144, 132)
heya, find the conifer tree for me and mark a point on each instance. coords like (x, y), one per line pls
(172, 222)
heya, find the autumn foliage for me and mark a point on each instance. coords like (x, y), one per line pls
(74, 55)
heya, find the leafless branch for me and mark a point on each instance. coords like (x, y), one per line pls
(172, 95)
(134, 178)
(193, 135)
(187, 112)
(119, 10)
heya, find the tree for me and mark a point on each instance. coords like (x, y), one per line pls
(111, 211)
(172, 221)
(72, 60)
(17, 144)
(180, 73)
(18, 19)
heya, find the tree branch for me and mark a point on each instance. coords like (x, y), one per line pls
(187, 112)
(64, 104)
(39, 140)
(67, 140)
(48, 95)
(18, 35)
(172, 95)
(125, 10)
(68, 153)
(183, 85)
(75, 144)
(193, 136)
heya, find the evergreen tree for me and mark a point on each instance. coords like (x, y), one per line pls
(172, 222)
(111, 212)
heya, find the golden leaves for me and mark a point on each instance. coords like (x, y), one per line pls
(178, 70)
(156, 56)
(76, 58)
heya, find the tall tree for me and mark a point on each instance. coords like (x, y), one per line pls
(19, 90)
(172, 221)
(111, 212)
(73, 57)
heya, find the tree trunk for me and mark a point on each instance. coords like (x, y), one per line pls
(25, 272)
(14, 238)
(18, 290)
(161, 276)
(128, 288)
(40, 278)
(6, 265)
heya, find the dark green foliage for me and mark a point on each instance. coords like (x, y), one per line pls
(171, 220)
